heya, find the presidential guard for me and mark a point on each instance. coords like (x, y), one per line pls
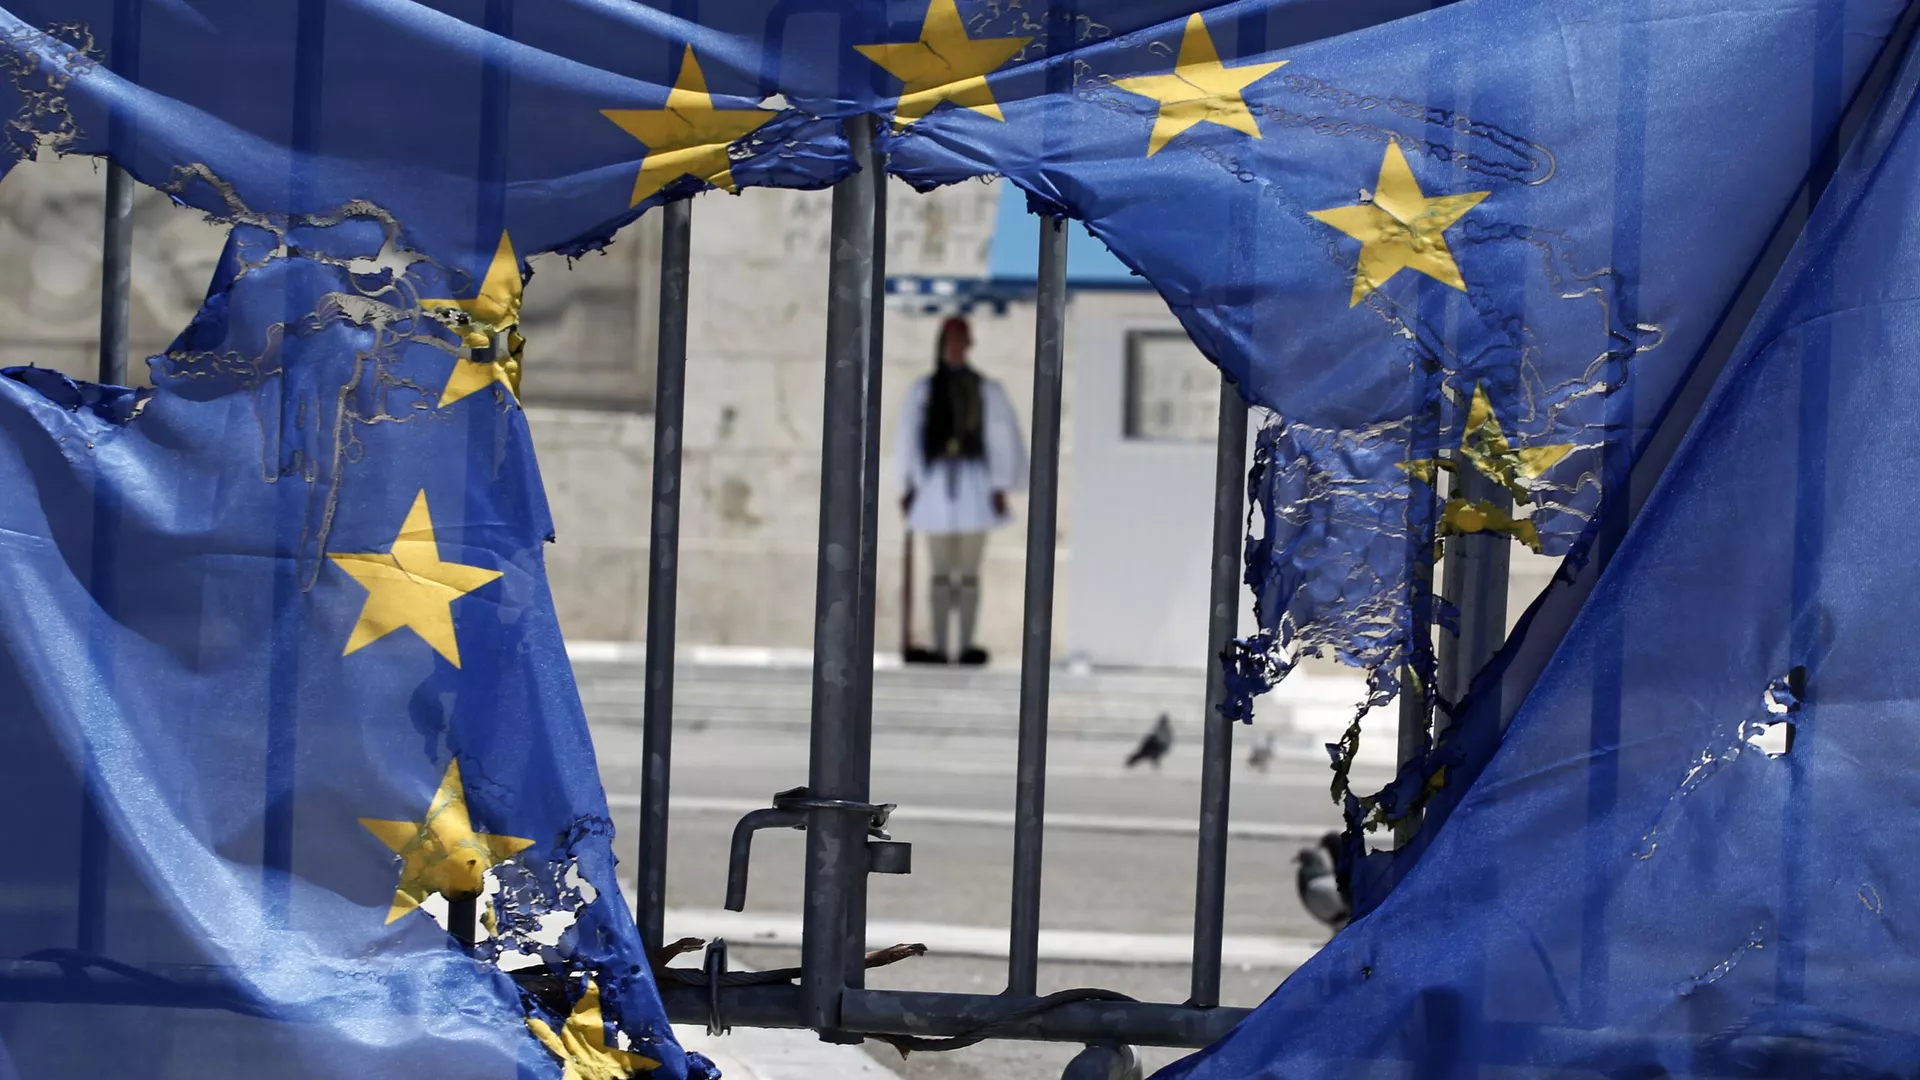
(958, 452)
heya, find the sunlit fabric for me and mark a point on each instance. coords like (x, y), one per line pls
(1367, 213)
(1500, 191)
(556, 121)
(286, 617)
(1690, 855)
(1543, 207)
(289, 617)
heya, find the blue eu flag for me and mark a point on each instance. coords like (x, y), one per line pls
(282, 625)
(1690, 854)
(555, 122)
(282, 622)
(1489, 237)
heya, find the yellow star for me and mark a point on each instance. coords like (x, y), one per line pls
(581, 1044)
(442, 854)
(409, 586)
(1462, 518)
(1200, 90)
(1401, 229)
(494, 309)
(689, 137)
(944, 65)
(1484, 445)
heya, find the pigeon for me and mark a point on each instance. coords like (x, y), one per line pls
(1155, 745)
(1319, 885)
(1261, 756)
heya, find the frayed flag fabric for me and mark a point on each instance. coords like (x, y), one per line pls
(1488, 235)
(284, 679)
(280, 626)
(1681, 859)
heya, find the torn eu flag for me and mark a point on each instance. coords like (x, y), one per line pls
(558, 123)
(1486, 238)
(283, 624)
(1690, 854)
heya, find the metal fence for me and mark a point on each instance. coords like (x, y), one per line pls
(845, 834)
(845, 831)
(845, 837)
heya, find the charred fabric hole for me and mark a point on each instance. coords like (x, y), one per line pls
(1782, 699)
(310, 422)
(530, 908)
(1378, 842)
(40, 65)
(1774, 738)
(1322, 558)
(533, 915)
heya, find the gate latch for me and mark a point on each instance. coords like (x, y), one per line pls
(885, 855)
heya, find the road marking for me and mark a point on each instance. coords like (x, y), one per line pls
(634, 653)
(1292, 769)
(1003, 819)
(781, 1054)
(989, 942)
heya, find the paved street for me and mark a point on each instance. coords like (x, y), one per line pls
(1119, 865)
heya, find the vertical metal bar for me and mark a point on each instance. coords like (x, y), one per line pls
(463, 919)
(91, 930)
(836, 849)
(116, 246)
(663, 567)
(293, 534)
(1811, 504)
(1416, 700)
(1036, 641)
(463, 912)
(1216, 762)
(116, 266)
(1475, 583)
(906, 593)
(875, 171)
(1223, 617)
(1593, 994)
(116, 274)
